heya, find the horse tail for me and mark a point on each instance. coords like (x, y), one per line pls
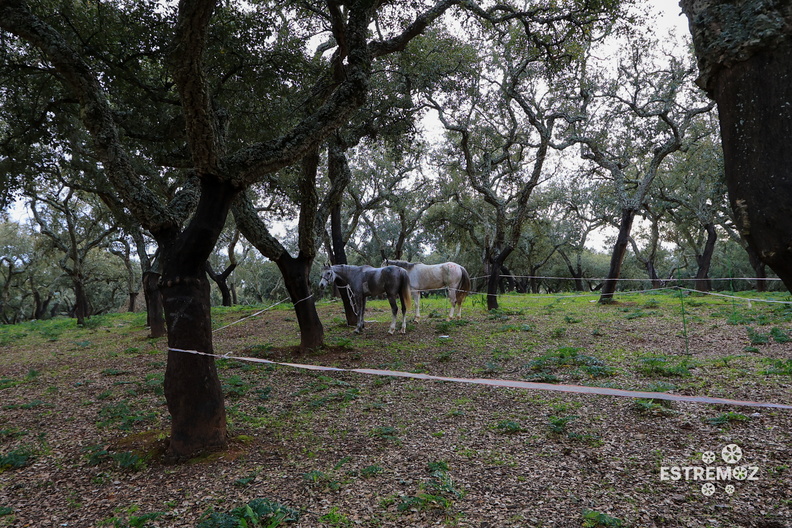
(464, 286)
(405, 291)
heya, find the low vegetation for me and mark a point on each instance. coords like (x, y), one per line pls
(84, 422)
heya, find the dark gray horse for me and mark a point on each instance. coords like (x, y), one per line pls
(364, 281)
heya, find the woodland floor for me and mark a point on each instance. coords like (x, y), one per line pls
(83, 422)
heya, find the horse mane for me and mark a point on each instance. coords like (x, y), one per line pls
(402, 264)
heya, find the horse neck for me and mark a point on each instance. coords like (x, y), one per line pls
(341, 272)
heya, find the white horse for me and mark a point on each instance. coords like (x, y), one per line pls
(432, 277)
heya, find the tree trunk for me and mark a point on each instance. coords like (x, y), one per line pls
(746, 66)
(132, 299)
(617, 257)
(340, 257)
(576, 271)
(493, 265)
(81, 305)
(652, 272)
(221, 279)
(760, 269)
(155, 313)
(705, 260)
(39, 306)
(296, 277)
(192, 386)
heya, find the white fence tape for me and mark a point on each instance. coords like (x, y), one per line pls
(513, 384)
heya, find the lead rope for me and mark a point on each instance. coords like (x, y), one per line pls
(351, 297)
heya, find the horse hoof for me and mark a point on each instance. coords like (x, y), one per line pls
(390, 332)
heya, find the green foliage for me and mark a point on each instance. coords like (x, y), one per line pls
(779, 367)
(128, 519)
(335, 519)
(386, 432)
(595, 519)
(371, 471)
(322, 480)
(663, 366)
(780, 335)
(757, 338)
(15, 459)
(122, 416)
(258, 513)
(445, 327)
(653, 407)
(558, 424)
(569, 360)
(437, 492)
(129, 461)
(96, 454)
(728, 417)
(235, 387)
(508, 427)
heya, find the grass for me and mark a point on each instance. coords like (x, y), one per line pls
(412, 447)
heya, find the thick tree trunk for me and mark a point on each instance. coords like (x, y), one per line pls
(296, 277)
(617, 257)
(155, 313)
(745, 57)
(705, 260)
(192, 386)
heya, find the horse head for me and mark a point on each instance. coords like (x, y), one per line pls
(328, 277)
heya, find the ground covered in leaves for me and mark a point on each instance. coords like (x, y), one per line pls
(84, 423)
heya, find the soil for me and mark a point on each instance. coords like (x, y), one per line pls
(84, 424)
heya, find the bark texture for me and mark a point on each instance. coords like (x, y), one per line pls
(744, 51)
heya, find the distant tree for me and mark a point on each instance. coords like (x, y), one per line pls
(75, 226)
(629, 125)
(17, 258)
(579, 216)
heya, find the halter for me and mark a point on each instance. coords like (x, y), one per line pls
(350, 293)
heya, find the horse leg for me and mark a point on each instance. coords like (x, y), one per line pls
(404, 313)
(362, 314)
(394, 314)
(452, 298)
(416, 295)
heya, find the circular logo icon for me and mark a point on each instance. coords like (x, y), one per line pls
(729, 489)
(731, 454)
(740, 473)
(708, 457)
(708, 489)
